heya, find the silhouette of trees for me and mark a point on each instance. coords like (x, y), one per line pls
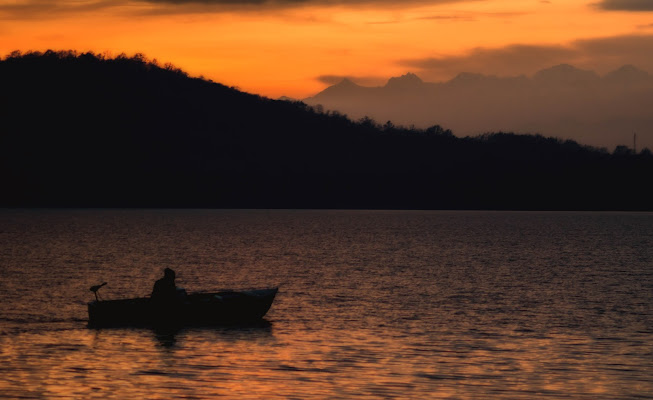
(388, 126)
(87, 129)
(438, 130)
(368, 123)
(622, 151)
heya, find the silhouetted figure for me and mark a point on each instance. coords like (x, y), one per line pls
(165, 290)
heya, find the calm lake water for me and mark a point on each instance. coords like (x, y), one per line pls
(372, 304)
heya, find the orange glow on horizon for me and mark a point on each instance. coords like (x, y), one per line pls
(283, 52)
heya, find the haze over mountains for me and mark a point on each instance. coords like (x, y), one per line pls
(561, 101)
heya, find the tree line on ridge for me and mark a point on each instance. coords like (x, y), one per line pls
(90, 130)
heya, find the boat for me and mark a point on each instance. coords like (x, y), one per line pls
(214, 308)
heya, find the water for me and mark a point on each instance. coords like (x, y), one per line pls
(372, 304)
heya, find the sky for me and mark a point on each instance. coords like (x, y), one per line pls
(296, 48)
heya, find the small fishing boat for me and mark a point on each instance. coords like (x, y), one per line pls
(224, 307)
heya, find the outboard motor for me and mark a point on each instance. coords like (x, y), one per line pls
(95, 288)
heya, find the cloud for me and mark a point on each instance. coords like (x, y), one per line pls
(471, 16)
(31, 9)
(514, 59)
(448, 17)
(35, 9)
(295, 3)
(361, 80)
(602, 54)
(626, 5)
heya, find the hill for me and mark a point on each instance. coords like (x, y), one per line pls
(82, 130)
(562, 101)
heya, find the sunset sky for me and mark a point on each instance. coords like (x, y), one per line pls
(298, 47)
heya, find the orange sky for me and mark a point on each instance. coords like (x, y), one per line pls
(282, 47)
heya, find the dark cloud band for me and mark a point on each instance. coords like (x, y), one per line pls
(601, 53)
(33, 9)
(626, 5)
(287, 3)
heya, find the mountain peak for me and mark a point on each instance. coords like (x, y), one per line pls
(627, 74)
(405, 81)
(565, 74)
(345, 82)
(468, 77)
(628, 68)
(346, 87)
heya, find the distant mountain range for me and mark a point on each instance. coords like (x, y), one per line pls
(561, 101)
(82, 130)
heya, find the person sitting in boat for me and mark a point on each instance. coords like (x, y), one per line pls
(165, 290)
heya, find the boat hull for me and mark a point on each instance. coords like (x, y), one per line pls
(227, 307)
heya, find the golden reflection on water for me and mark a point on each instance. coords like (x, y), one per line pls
(271, 363)
(393, 305)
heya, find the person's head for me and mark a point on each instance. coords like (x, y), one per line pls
(169, 273)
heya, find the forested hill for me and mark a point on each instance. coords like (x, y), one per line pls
(82, 130)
